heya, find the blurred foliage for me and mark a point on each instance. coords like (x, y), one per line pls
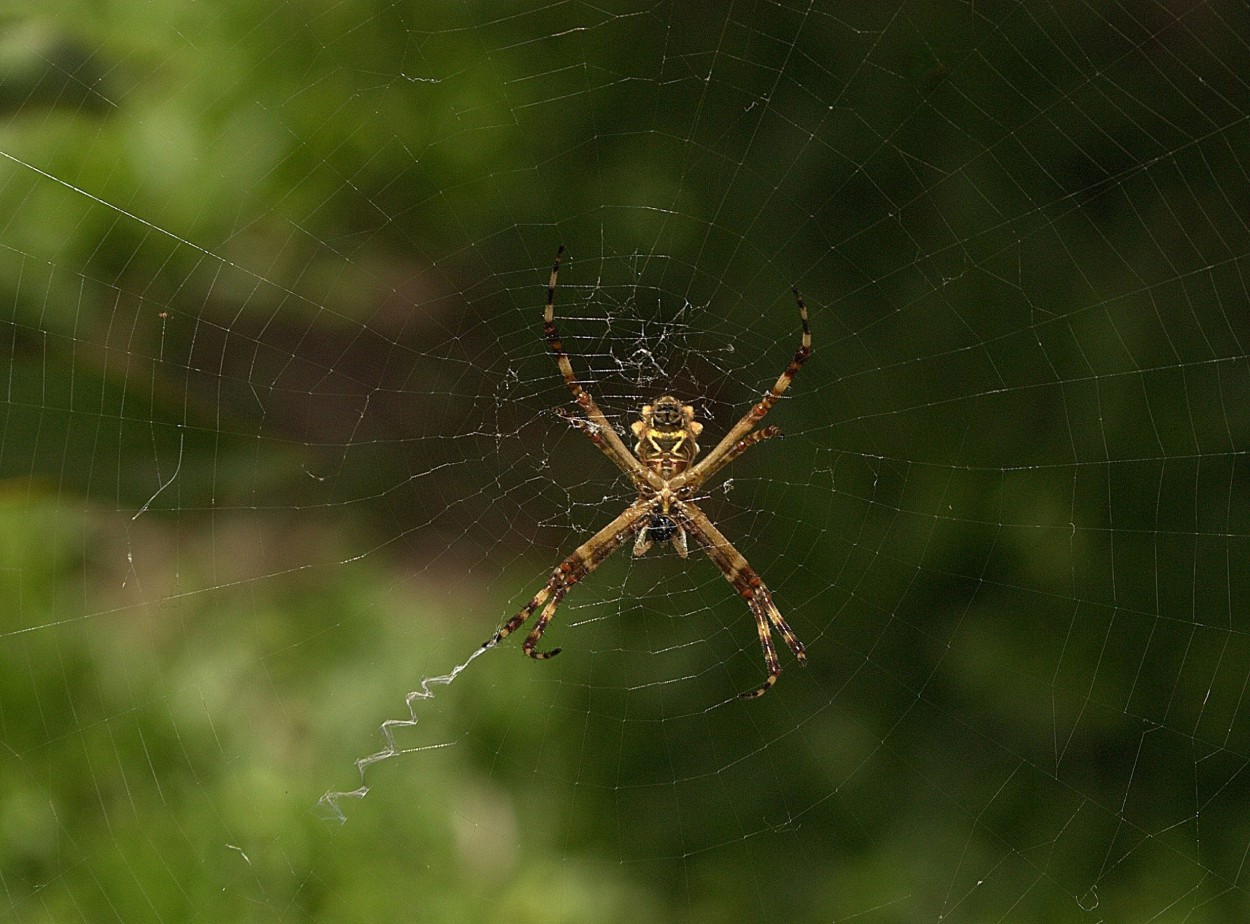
(274, 447)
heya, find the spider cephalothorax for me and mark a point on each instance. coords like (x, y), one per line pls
(663, 470)
(661, 528)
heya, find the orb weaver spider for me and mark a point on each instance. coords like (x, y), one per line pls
(663, 471)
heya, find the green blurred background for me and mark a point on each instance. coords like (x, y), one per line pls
(278, 443)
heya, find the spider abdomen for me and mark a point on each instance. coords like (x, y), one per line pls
(666, 437)
(667, 454)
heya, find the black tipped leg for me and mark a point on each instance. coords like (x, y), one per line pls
(760, 690)
(542, 655)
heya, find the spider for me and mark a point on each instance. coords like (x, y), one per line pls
(663, 470)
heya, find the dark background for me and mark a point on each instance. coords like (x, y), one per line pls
(278, 443)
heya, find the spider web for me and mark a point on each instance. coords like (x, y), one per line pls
(280, 450)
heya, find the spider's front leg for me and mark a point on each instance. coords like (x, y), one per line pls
(558, 584)
(585, 558)
(750, 587)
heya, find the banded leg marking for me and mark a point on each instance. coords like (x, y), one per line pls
(585, 559)
(608, 440)
(749, 586)
(715, 459)
(757, 436)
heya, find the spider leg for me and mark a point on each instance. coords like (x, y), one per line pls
(603, 434)
(728, 446)
(750, 587)
(540, 627)
(770, 652)
(738, 448)
(585, 559)
(591, 430)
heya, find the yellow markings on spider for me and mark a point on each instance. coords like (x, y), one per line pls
(663, 470)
